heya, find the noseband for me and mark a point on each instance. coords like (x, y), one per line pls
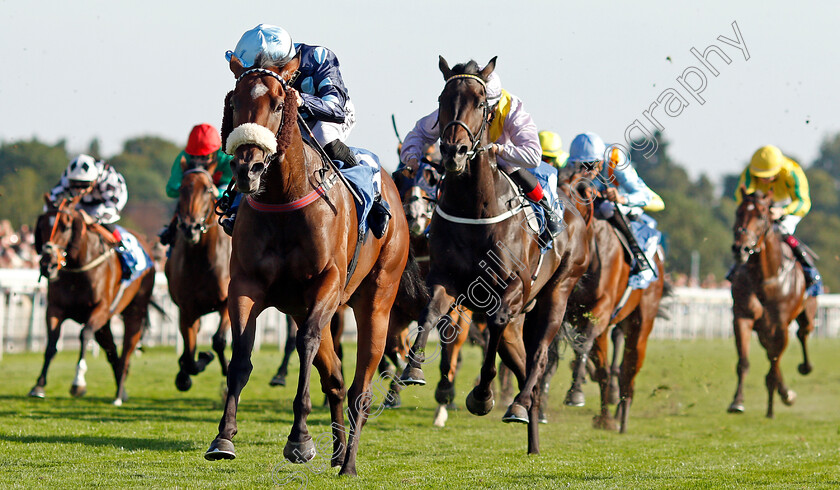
(262, 71)
(742, 230)
(475, 139)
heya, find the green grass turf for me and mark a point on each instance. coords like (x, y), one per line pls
(680, 435)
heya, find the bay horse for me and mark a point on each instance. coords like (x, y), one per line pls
(84, 272)
(768, 294)
(295, 245)
(602, 299)
(198, 271)
(485, 258)
(419, 195)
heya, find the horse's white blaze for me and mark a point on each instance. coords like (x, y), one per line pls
(259, 90)
(81, 369)
(441, 416)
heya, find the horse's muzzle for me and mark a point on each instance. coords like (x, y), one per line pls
(192, 231)
(454, 156)
(742, 253)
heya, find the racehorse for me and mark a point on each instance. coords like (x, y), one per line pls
(419, 198)
(296, 247)
(768, 293)
(198, 271)
(603, 298)
(84, 272)
(485, 258)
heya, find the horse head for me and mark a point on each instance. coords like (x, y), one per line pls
(259, 115)
(463, 113)
(752, 223)
(419, 198)
(58, 234)
(195, 204)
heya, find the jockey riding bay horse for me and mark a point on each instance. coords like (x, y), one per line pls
(84, 272)
(602, 299)
(295, 245)
(768, 293)
(486, 259)
(198, 271)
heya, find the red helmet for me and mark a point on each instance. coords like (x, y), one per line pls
(204, 140)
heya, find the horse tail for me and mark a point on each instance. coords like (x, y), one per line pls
(667, 292)
(159, 308)
(413, 289)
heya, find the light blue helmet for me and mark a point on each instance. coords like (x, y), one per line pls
(587, 147)
(274, 43)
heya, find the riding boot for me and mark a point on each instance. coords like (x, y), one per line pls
(337, 150)
(379, 217)
(532, 189)
(813, 280)
(640, 262)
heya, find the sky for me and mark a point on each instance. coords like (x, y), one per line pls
(115, 70)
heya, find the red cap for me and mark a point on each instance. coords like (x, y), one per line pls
(204, 140)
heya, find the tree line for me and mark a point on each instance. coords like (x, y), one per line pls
(697, 217)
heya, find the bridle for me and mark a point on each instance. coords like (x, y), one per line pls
(285, 85)
(60, 253)
(213, 191)
(475, 138)
(760, 237)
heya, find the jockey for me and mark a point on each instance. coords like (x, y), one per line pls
(203, 151)
(322, 97)
(770, 169)
(619, 185)
(516, 146)
(552, 149)
(103, 192)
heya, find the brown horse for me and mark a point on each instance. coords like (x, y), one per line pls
(198, 271)
(601, 299)
(485, 258)
(296, 248)
(768, 293)
(84, 272)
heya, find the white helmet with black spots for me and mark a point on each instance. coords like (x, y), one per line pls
(83, 168)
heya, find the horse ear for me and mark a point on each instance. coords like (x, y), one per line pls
(444, 68)
(743, 191)
(236, 66)
(227, 120)
(48, 201)
(183, 163)
(488, 69)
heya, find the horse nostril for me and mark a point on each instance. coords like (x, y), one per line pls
(462, 150)
(256, 168)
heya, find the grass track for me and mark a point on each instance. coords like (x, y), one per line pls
(679, 436)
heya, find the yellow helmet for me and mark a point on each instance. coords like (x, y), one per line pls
(552, 148)
(766, 162)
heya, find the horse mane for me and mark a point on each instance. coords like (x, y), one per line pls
(284, 138)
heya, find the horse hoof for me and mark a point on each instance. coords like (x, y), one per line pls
(604, 422)
(220, 449)
(441, 416)
(516, 413)
(789, 398)
(37, 392)
(206, 357)
(542, 419)
(612, 396)
(118, 402)
(183, 381)
(393, 400)
(736, 408)
(804, 368)
(413, 376)
(444, 395)
(78, 391)
(299, 452)
(277, 380)
(479, 407)
(575, 398)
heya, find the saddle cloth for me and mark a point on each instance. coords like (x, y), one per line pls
(134, 259)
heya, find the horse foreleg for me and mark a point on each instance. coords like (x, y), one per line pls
(638, 328)
(79, 386)
(279, 379)
(615, 367)
(743, 328)
(54, 320)
(372, 321)
(133, 317)
(604, 379)
(452, 338)
(332, 384)
(243, 315)
(105, 339)
(442, 303)
(582, 347)
(220, 337)
(188, 324)
(806, 326)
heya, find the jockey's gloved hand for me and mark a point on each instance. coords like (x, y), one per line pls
(409, 167)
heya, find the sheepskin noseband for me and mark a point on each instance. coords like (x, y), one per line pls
(253, 134)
